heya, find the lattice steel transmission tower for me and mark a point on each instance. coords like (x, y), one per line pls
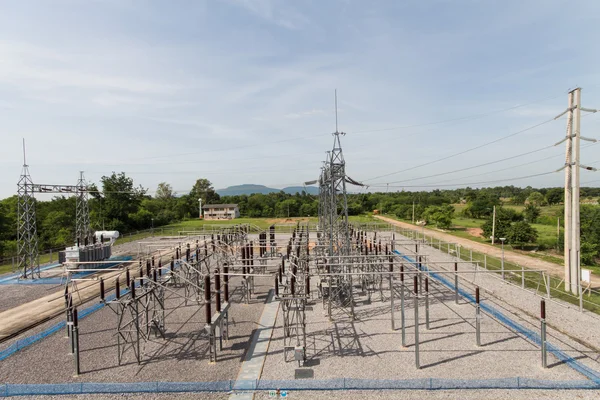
(27, 240)
(334, 227)
(82, 231)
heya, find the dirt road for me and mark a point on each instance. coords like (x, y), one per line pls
(529, 262)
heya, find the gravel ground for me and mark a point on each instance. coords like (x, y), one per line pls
(525, 305)
(15, 295)
(181, 357)
(367, 348)
(439, 394)
(141, 396)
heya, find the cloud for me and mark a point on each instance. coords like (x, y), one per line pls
(31, 68)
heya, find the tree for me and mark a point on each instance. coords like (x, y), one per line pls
(441, 215)
(120, 199)
(555, 196)
(481, 207)
(203, 189)
(531, 212)
(537, 199)
(164, 191)
(521, 233)
(504, 217)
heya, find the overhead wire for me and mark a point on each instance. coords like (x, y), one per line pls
(462, 152)
(471, 167)
(467, 184)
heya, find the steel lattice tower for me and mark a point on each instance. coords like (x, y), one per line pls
(27, 240)
(82, 230)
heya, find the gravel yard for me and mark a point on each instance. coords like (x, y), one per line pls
(364, 348)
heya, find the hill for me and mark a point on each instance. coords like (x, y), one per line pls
(248, 189)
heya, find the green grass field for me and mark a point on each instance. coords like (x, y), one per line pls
(262, 223)
(531, 280)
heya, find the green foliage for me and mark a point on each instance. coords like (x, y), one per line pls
(120, 205)
(504, 218)
(440, 215)
(555, 196)
(590, 233)
(521, 233)
(531, 212)
(537, 199)
(481, 207)
(120, 200)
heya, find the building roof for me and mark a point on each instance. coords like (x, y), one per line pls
(213, 206)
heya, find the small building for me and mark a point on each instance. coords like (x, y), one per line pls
(221, 211)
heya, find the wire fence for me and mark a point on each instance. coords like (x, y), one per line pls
(541, 283)
(508, 322)
(9, 390)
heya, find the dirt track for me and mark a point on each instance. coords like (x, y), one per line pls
(529, 262)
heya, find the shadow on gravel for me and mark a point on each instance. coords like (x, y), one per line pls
(473, 353)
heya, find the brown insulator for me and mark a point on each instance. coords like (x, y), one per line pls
(102, 289)
(218, 289)
(207, 310)
(292, 285)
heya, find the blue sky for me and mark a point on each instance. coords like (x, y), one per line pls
(241, 91)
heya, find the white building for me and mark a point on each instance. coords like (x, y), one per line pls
(221, 211)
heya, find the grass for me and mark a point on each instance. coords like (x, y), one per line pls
(44, 259)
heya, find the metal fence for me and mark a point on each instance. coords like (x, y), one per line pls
(9, 390)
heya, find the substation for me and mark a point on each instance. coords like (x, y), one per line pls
(241, 311)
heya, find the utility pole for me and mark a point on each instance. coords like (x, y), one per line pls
(571, 218)
(493, 226)
(413, 218)
(575, 223)
(200, 209)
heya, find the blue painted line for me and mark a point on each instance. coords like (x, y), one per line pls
(531, 335)
(14, 279)
(7, 278)
(28, 341)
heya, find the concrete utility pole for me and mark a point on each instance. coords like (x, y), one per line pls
(494, 226)
(575, 223)
(413, 217)
(200, 209)
(568, 191)
(571, 219)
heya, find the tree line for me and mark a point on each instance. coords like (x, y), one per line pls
(118, 204)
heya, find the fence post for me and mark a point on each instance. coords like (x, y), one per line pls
(522, 277)
(456, 282)
(543, 332)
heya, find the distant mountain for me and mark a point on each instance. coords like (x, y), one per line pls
(251, 189)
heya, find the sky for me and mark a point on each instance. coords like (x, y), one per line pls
(242, 91)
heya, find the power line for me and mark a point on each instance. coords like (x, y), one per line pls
(474, 166)
(470, 183)
(514, 166)
(462, 152)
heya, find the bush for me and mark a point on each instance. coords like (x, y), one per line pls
(521, 233)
